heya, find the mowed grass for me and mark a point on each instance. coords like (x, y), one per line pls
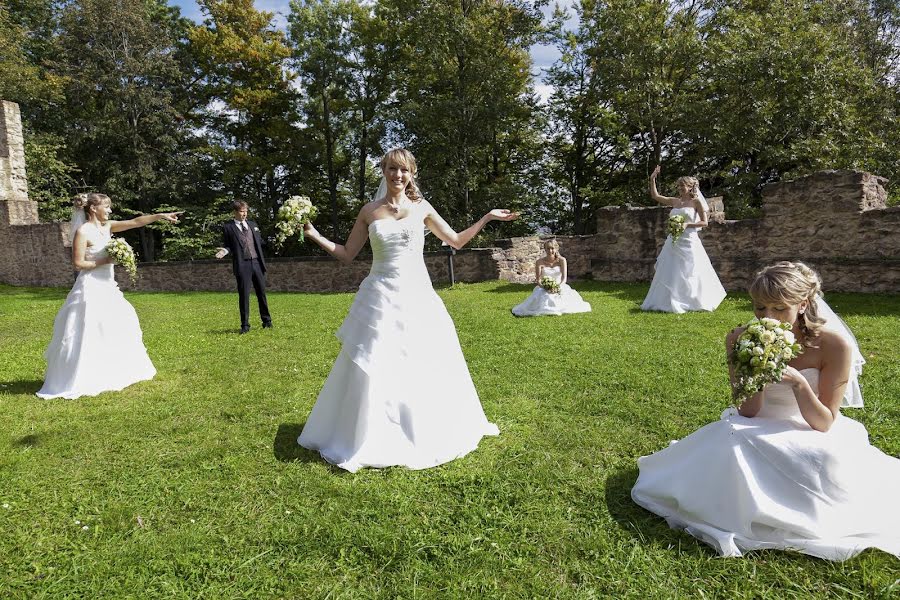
(192, 486)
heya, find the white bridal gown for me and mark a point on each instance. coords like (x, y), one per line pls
(97, 343)
(541, 302)
(399, 392)
(684, 279)
(772, 481)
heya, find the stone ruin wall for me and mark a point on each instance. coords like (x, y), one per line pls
(836, 221)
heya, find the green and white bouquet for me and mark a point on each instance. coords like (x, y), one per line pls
(675, 226)
(296, 212)
(550, 284)
(121, 253)
(760, 355)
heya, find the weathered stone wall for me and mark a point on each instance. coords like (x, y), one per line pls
(302, 274)
(836, 221)
(30, 253)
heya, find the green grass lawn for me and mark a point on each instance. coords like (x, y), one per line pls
(191, 485)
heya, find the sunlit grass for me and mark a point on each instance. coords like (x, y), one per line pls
(191, 485)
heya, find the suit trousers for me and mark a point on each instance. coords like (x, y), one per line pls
(250, 273)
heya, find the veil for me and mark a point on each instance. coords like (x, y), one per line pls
(382, 190)
(853, 394)
(703, 201)
(78, 219)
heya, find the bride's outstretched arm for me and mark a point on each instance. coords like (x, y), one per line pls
(654, 193)
(348, 251)
(143, 220)
(440, 228)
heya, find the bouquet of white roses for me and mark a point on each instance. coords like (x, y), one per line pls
(550, 284)
(296, 212)
(760, 356)
(122, 254)
(675, 226)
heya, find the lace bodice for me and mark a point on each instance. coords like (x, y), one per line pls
(552, 272)
(397, 246)
(690, 216)
(97, 239)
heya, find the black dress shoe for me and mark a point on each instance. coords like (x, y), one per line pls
(267, 325)
(245, 329)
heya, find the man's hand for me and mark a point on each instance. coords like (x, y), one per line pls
(221, 252)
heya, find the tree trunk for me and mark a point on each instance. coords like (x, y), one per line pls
(329, 164)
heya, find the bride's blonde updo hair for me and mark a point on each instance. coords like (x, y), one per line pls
(791, 283)
(692, 183)
(551, 243)
(86, 201)
(404, 158)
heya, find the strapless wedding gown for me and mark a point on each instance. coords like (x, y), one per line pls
(97, 343)
(772, 481)
(684, 280)
(400, 392)
(541, 302)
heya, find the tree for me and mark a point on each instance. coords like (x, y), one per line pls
(250, 111)
(465, 105)
(587, 144)
(123, 124)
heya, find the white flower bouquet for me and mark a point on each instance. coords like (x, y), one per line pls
(550, 284)
(121, 253)
(675, 226)
(760, 356)
(296, 212)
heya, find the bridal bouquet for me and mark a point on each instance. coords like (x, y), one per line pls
(550, 284)
(760, 356)
(675, 226)
(120, 251)
(296, 212)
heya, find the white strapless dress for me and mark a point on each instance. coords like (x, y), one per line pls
(97, 343)
(771, 481)
(400, 392)
(540, 302)
(684, 280)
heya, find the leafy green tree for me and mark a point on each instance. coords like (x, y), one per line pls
(250, 109)
(587, 145)
(465, 104)
(124, 126)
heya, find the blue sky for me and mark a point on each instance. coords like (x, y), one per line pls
(543, 56)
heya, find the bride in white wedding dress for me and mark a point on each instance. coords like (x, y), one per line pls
(97, 341)
(541, 302)
(786, 470)
(399, 392)
(684, 278)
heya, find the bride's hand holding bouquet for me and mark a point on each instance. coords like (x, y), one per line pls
(760, 356)
(293, 217)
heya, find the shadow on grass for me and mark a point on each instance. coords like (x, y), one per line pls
(506, 288)
(232, 331)
(21, 387)
(26, 441)
(642, 525)
(286, 449)
(23, 293)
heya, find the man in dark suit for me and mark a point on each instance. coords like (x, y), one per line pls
(241, 239)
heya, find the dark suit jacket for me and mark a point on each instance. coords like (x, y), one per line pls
(231, 239)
